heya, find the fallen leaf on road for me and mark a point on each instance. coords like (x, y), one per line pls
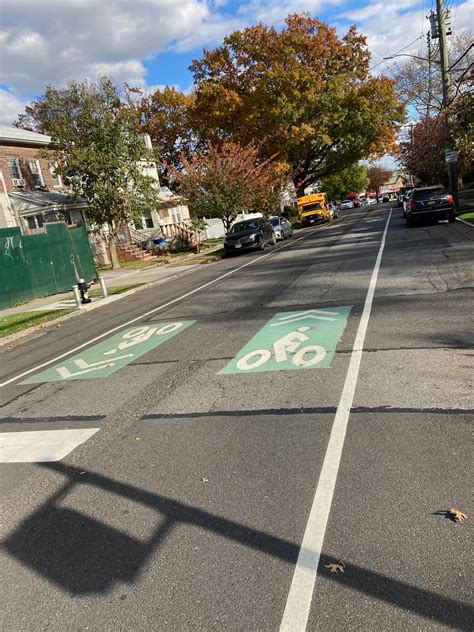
(204, 479)
(457, 515)
(337, 567)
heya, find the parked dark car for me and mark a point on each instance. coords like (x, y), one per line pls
(250, 234)
(431, 203)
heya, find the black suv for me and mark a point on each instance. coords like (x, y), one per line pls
(250, 234)
(431, 203)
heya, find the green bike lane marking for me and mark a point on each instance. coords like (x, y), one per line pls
(293, 341)
(111, 355)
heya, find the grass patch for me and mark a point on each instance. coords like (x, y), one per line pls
(133, 265)
(212, 243)
(115, 289)
(467, 217)
(18, 322)
(201, 258)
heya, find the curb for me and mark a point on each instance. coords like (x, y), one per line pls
(463, 221)
(52, 323)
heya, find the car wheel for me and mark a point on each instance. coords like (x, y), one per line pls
(452, 218)
(274, 239)
(261, 243)
(410, 222)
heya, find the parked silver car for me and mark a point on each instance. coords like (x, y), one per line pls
(282, 227)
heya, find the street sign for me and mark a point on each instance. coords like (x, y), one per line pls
(292, 341)
(107, 357)
(451, 156)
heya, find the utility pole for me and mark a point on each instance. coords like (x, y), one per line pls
(447, 93)
(428, 105)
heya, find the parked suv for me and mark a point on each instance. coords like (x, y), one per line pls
(430, 202)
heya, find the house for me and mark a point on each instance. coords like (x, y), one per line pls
(33, 194)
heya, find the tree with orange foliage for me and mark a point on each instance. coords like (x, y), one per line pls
(228, 179)
(302, 92)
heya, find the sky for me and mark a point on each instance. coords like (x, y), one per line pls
(151, 43)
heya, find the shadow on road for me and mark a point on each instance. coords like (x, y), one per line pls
(84, 556)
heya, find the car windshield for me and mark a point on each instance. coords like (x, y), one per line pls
(274, 221)
(426, 194)
(311, 207)
(241, 226)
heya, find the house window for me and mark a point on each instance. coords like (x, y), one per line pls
(14, 168)
(176, 215)
(35, 170)
(148, 220)
(55, 176)
(35, 221)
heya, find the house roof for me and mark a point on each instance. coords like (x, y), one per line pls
(21, 137)
(43, 201)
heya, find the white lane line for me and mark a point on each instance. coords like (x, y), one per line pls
(295, 616)
(39, 446)
(156, 309)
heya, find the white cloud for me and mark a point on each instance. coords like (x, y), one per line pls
(10, 107)
(51, 42)
(400, 26)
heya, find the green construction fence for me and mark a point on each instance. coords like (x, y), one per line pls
(32, 266)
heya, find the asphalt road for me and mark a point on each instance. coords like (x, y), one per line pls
(187, 507)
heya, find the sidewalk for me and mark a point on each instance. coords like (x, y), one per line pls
(113, 278)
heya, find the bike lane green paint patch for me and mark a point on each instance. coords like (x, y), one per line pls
(292, 341)
(111, 355)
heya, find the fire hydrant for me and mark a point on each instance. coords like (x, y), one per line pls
(83, 288)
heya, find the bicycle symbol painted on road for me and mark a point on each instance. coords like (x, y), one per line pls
(293, 340)
(107, 357)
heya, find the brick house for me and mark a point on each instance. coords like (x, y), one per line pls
(32, 194)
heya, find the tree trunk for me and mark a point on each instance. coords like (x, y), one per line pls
(112, 247)
(113, 254)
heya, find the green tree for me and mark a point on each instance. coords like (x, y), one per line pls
(98, 150)
(352, 179)
(198, 224)
(302, 92)
(226, 180)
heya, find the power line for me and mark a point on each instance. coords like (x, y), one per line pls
(469, 48)
(398, 51)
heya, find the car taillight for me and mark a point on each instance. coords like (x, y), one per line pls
(450, 199)
(412, 204)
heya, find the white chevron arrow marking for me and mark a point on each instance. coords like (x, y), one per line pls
(311, 313)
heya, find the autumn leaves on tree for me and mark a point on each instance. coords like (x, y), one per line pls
(228, 179)
(302, 93)
(268, 106)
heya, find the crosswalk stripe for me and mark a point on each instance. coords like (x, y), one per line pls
(37, 446)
